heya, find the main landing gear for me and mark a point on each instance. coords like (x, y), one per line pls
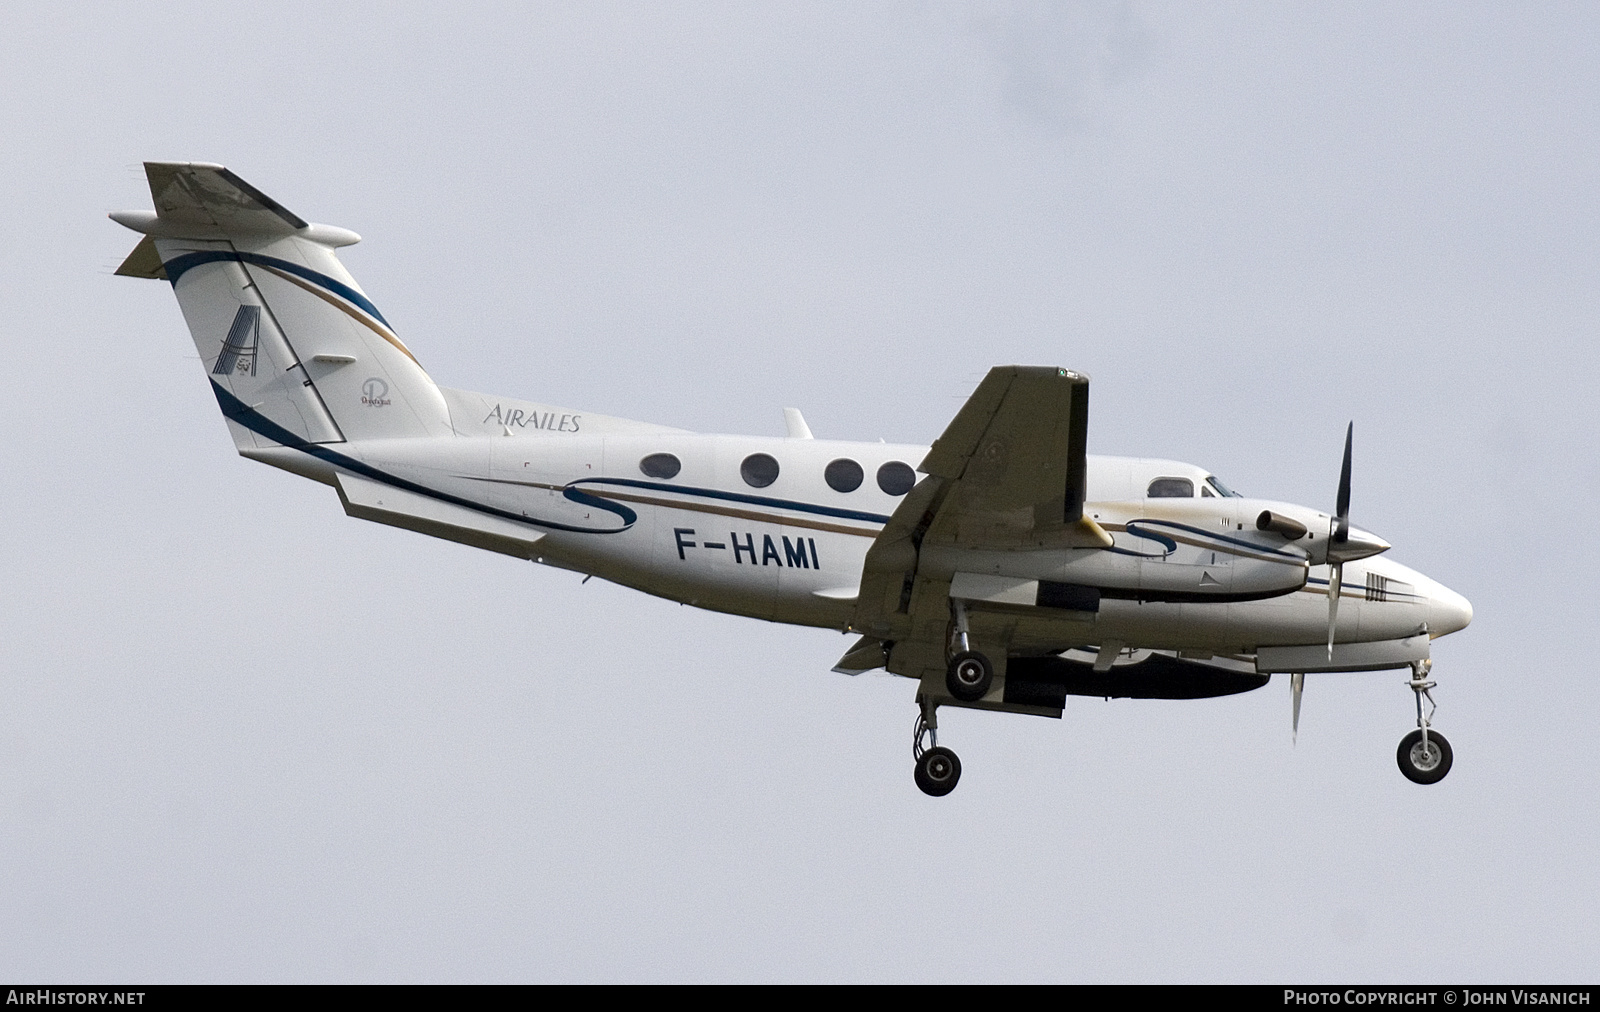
(1424, 754)
(938, 769)
(968, 674)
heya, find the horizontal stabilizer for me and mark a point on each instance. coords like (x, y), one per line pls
(203, 196)
(366, 499)
(143, 262)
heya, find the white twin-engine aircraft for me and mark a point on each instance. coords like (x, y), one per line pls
(1002, 568)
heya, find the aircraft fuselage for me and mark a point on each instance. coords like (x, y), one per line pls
(1185, 573)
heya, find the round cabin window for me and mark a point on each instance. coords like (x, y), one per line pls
(759, 470)
(844, 475)
(896, 478)
(660, 465)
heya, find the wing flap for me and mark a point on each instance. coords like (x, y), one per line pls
(866, 654)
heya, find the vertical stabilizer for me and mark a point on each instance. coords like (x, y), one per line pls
(295, 351)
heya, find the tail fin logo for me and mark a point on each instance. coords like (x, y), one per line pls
(239, 347)
(374, 393)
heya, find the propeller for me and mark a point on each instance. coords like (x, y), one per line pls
(1344, 544)
(1297, 684)
(1338, 537)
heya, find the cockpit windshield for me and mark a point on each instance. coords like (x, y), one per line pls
(1222, 489)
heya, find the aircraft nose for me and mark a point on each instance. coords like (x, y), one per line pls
(1448, 611)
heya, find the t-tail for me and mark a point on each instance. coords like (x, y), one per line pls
(296, 353)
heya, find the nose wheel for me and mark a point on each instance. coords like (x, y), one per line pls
(1424, 755)
(938, 770)
(1424, 762)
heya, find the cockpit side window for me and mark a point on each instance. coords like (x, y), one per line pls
(1222, 489)
(1170, 488)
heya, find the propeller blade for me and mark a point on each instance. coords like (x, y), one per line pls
(1339, 534)
(1335, 585)
(1341, 528)
(1297, 682)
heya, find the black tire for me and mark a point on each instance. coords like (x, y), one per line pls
(938, 772)
(968, 676)
(1421, 768)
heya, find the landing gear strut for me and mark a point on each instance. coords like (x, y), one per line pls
(1424, 754)
(968, 674)
(938, 770)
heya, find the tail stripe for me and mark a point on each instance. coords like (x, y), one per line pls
(382, 332)
(178, 265)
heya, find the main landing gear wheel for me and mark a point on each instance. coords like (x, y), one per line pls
(968, 676)
(938, 772)
(1423, 763)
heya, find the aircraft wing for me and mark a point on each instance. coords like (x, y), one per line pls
(1009, 472)
(1014, 455)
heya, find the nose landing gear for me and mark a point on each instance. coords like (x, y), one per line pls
(938, 769)
(1424, 754)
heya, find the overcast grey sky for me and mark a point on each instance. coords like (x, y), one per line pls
(244, 738)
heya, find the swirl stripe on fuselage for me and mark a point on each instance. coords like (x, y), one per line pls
(237, 411)
(738, 497)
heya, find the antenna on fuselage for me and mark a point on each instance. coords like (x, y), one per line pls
(795, 424)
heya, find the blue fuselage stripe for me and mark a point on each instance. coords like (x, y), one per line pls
(1251, 545)
(740, 497)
